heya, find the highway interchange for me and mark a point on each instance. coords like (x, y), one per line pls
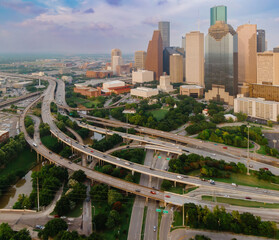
(155, 172)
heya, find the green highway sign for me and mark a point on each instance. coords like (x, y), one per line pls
(165, 211)
(168, 159)
(158, 210)
(159, 157)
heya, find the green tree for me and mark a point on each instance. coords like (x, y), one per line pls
(62, 206)
(30, 130)
(113, 219)
(114, 196)
(23, 234)
(79, 176)
(53, 227)
(166, 185)
(6, 232)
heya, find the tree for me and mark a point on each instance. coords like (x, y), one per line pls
(166, 185)
(99, 192)
(79, 176)
(6, 232)
(99, 220)
(23, 234)
(62, 206)
(30, 130)
(113, 219)
(53, 227)
(269, 123)
(114, 196)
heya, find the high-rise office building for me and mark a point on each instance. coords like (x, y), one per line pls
(116, 60)
(183, 43)
(247, 53)
(140, 57)
(176, 68)
(218, 13)
(221, 63)
(168, 51)
(115, 52)
(154, 55)
(260, 40)
(195, 58)
(164, 28)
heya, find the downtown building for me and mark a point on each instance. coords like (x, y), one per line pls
(221, 63)
(176, 68)
(154, 55)
(261, 40)
(140, 57)
(164, 28)
(218, 13)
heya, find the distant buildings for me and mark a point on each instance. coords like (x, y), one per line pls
(115, 52)
(183, 43)
(154, 56)
(111, 84)
(195, 58)
(98, 74)
(218, 13)
(221, 63)
(142, 76)
(144, 92)
(140, 57)
(176, 68)
(67, 78)
(194, 91)
(165, 85)
(257, 108)
(260, 40)
(123, 69)
(4, 136)
(116, 60)
(167, 52)
(266, 91)
(164, 28)
(87, 91)
(247, 53)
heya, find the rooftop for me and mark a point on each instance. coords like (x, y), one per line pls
(191, 86)
(145, 89)
(259, 100)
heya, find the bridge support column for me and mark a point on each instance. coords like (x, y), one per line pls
(165, 204)
(146, 200)
(150, 178)
(168, 154)
(133, 172)
(174, 184)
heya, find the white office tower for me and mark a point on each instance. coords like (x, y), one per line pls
(116, 60)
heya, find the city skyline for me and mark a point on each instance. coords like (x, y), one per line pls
(80, 26)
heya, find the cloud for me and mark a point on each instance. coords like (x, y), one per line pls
(276, 19)
(162, 2)
(89, 11)
(23, 7)
(114, 2)
(151, 21)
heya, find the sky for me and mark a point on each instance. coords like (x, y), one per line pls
(97, 26)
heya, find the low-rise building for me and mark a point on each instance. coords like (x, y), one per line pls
(194, 91)
(230, 116)
(4, 136)
(67, 78)
(98, 74)
(165, 85)
(142, 76)
(257, 107)
(111, 84)
(144, 92)
(123, 69)
(87, 91)
(22, 84)
(120, 90)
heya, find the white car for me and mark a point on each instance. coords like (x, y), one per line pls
(127, 163)
(179, 177)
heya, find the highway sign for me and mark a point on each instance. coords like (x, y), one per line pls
(168, 159)
(165, 211)
(158, 210)
(159, 157)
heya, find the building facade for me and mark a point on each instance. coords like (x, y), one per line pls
(165, 85)
(164, 28)
(98, 74)
(247, 53)
(87, 91)
(168, 51)
(257, 108)
(115, 52)
(123, 69)
(144, 92)
(176, 68)
(260, 40)
(194, 91)
(112, 84)
(140, 57)
(221, 65)
(142, 76)
(218, 13)
(116, 60)
(195, 58)
(154, 55)
(268, 92)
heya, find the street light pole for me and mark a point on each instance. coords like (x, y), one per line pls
(274, 142)
(248, 159)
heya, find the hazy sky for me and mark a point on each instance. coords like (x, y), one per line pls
(97, 26)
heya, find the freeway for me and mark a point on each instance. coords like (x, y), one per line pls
(14, 100)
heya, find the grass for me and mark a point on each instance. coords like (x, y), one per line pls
(177, 219)
(243, 179)
(159, 114)
(261, 150)
(25, 161)
(240, 202)
(143, 223)
(85, 102)
(125, 215)
(77, 211)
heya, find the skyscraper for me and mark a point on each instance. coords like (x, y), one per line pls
(168, 51)
(164, 28)
(195, 58)
(218, 13)
(183, 43)
(221, 63)
(115, 52)
(154, 55)
(176, 68)
(260, 40)
(140, 57)
(116, 60)
(247, 53)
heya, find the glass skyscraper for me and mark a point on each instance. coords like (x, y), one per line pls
(164, 28)
(221, 63)
(218, 13)
(260, 40)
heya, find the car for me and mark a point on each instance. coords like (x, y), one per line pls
(127, 163)
(50, 152)
(40, 227)
(87, 199)
(61, 157)
(76, 142)
(70, 162)
(104, 156)
(266, 169)
(152, 192)
(154, 228)
(137, 190)
(250, 166)
(179, 177)
(118, 159)
(248, 198)
(234, 184)
(63, 217)
(213, 154)
(91, 151)
(128, 147)
(225, 147)
(167, 196)
(56, 216)
(151, 168)
(202, 179)
(166, 169)
(211, 181)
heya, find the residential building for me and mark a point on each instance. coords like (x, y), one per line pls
(154, 55)
(99, 74)
(260, 40)
(140, 57)
(144, 92)
(257, 107)
(165, 85)
(4, 136)
(221, 63)
(164, 28)
(194, 91)
(195, 58)
(142, 76)
(116, 83)
(115, 52)
(247, 53)
(268, 67)
(176, 68)
(168, 51)
(218, 13)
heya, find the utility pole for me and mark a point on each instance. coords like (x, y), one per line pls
(38, 199)
(248, 145)
(183, 222)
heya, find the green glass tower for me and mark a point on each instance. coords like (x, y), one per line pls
(218, 13)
